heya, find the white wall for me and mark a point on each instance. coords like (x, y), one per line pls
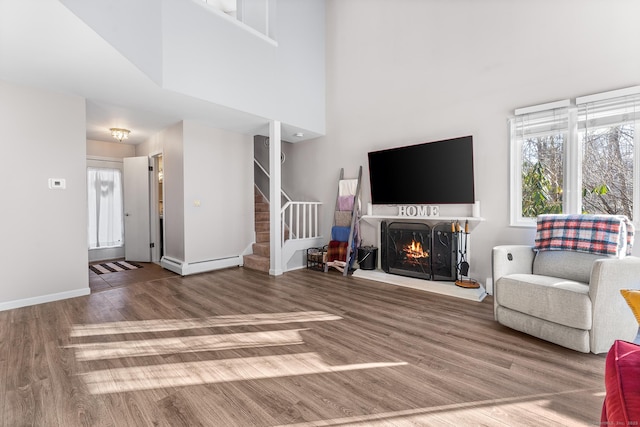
(113, 150)
(44, 231)
(215, 168)
(301, 66)
(406, 72)
(208, 56)
(218, 173)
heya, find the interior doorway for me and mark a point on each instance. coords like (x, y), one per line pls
(157, 208)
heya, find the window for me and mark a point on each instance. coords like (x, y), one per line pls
(607, 135)
(106, 228)
(578, 158)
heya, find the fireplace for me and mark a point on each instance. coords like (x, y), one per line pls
(418, 250)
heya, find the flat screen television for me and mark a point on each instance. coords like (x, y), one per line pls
(439, 172)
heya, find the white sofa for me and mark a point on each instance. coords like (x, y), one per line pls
(568, 298)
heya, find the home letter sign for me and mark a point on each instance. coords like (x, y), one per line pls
(419, 211)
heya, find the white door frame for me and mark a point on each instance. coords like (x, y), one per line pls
(154, 200)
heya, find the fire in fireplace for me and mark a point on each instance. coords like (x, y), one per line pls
(418, 250)
(414, 252)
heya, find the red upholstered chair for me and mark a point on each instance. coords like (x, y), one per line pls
(622, 382)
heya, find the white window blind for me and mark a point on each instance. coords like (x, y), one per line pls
(608, 112)
(542, 123)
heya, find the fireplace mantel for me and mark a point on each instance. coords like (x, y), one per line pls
(375, 219)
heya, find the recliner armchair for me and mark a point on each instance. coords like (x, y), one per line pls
(569, 298)
(566, 297)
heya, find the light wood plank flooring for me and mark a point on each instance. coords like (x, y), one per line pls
(149, 271)
(240, 348)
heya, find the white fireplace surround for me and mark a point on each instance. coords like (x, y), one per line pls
(434, 286)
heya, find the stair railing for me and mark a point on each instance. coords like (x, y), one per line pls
(257, 14)
(266, 174)
(301, 220)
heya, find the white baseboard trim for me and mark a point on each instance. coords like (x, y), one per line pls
(104, 254)
(184, 268)
(10, 305)
(171, 264)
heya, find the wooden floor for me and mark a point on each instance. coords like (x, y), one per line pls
(148, 272)
(240, 348)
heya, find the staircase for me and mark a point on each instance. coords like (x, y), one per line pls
(260, 260)
(303, 235)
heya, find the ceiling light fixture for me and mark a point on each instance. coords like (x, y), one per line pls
(119, 133)
(298, 134)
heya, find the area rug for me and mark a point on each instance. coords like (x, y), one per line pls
(113, 267)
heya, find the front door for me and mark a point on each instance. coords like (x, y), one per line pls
(137, 240)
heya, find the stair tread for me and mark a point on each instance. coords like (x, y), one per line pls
(262, 249)
(261, 219)
(262, 226)
(262, 216)
(256, 257)
(256, 262)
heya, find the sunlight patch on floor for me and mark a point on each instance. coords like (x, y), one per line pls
(206, 371)
(160, 325)
(191, 344)
(483, 412)
(215, 371)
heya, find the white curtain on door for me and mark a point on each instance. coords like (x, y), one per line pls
(106, 223)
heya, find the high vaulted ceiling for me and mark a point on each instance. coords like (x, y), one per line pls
(43, 44)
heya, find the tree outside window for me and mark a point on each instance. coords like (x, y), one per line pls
(542, 174)
(607, 170)
(576, 159)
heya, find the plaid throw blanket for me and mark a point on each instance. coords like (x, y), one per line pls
(598, 234)
(337, 251)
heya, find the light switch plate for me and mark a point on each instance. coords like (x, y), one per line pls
(57, 183)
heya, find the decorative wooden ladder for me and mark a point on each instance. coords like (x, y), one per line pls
(345, 188)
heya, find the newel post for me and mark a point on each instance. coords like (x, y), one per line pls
(275, 200)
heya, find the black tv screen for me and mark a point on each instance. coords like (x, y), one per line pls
(439, 172)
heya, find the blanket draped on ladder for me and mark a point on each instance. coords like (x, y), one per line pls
(337, 250)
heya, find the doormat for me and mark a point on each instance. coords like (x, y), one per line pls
(113, 267)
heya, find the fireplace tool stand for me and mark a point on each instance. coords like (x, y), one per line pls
(463, 266)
